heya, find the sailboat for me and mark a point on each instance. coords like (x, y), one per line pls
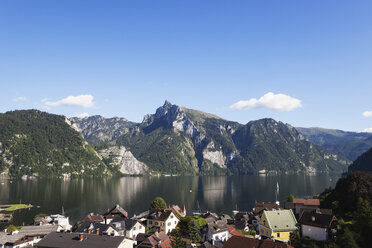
(277, 194)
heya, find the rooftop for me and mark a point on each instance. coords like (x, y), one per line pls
(306, 202)
(71, 240)
(281, 220)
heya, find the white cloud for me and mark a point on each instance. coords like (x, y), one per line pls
(85, 101)
(83, 115)
(19, 99)
(277, 102)
(367, 113)
(368, 130)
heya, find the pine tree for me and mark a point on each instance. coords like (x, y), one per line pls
(194, 231)
(347, 239)
(176, 240)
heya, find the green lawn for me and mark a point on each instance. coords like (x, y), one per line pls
(13, 207)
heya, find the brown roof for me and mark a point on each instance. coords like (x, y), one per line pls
(317, 219)
(306, 202)
(160, 215)
(240, 242)
(259, 207)
(234, 232)
(154, 240)
(93, 218)
(116, 211)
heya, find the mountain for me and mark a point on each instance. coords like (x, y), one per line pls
(99, 130)
(348, 144)
(37, 143)
(363, 162)
(178, 140)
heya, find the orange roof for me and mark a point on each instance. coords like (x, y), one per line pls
(306, 202)
(234, 232)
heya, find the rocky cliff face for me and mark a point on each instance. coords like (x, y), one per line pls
(128, 164)
(99, 130)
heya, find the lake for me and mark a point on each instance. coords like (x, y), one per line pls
(220, 194)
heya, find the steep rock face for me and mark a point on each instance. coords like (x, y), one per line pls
(123, 158)
(99, 130)
(347, 144)
(215, 156)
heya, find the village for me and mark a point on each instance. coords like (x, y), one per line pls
(166, 226)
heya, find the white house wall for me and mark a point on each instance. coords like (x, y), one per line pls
(315, 233)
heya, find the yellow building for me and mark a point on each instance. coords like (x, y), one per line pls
(278, 224)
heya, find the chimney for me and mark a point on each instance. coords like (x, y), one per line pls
(81, 237)
(89, 231)
(97, 231)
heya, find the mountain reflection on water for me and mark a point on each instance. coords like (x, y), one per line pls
(220, 194)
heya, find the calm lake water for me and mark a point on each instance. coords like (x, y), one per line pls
(220, 194)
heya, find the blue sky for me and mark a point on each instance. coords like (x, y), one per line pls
(124, 58)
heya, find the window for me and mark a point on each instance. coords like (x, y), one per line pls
(172, 216)
(278, 235)
(150, 222)
(175, 222)
(169, 223)
(134, 228)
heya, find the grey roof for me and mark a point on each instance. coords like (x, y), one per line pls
(281, 220)
(27, 231)
(217, 226)
(125, 224)
(38, 230)
(93, 227)
(71, 240)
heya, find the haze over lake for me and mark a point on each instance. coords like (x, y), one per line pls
(220, 194)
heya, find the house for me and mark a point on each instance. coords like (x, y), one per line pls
(116, 211)
(97, 218)
(277, 224)
(217, 231)
(318, 226)
(302, 203)
(162, 220)
(94, 218)
(26, 237)
(61, 221)
(97, 228)
(210, 217)
(128, 227)
(234, 232)
(156, 240)
(260, 207)
(240, 242)
(177, 210)
(68, 240)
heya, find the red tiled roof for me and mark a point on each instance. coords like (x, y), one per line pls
(234, 232)
(306, 202)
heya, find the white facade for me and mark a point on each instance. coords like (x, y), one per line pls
(313, 232)
(136, 229)
(171, 223)
(127, 243)
(219, 236)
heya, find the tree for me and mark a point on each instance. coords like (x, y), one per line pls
(290, 198)
(176, 240)
(347, 239)
(158, 203)
(11, 228)
(194, 231)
